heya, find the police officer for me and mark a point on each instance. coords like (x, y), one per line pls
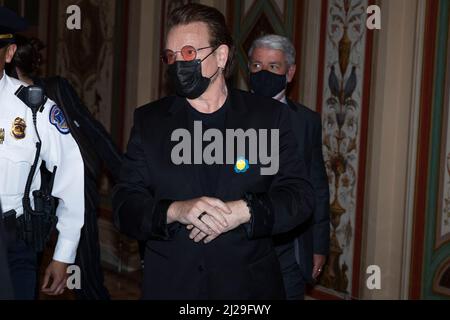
(18, 139)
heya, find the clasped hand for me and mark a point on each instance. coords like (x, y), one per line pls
(207, 218)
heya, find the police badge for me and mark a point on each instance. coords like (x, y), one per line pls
(18, 128)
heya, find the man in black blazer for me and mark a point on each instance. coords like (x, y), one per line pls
(209, 226)
(241, 264)
(302, 252)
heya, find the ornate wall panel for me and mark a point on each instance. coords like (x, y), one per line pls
(343, 96)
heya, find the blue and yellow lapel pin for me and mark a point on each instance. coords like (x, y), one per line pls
(241, 165)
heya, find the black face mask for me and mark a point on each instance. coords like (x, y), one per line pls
(187, 78)
(267, 84)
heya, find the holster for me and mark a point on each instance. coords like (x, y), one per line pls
(9, 223)
(35, 228)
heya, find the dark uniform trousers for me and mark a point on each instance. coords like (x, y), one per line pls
(22, 262)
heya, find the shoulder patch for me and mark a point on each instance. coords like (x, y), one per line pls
(58, 119)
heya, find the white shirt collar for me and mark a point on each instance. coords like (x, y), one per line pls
(281, 97)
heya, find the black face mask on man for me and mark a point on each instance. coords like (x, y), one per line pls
(187, 78)
(267, 84)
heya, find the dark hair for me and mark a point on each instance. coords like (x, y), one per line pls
(28, 57)
(214, 19)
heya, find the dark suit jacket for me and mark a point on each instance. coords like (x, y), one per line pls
(241, 264)
(313, 237)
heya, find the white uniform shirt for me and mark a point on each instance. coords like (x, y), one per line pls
(59, 149)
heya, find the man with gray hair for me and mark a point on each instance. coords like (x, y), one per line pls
(301, 252)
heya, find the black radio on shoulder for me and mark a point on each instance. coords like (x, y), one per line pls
(33, 96)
